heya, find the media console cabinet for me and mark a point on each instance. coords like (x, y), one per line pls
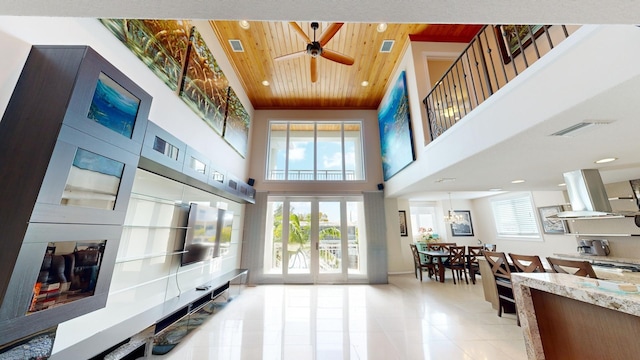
(174, 310)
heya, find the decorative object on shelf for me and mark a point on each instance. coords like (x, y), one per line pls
(552, 226)
(462, 227)
(452, 217)
(403, 223)
(396, 138)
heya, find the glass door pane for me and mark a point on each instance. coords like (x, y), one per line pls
(273, 240)
(356, 244)
(299, 241)
(329, 237)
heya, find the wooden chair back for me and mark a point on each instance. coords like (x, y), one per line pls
(457, 256)
(440, 246)
(499, 265)
(527, 263)
(574, 267)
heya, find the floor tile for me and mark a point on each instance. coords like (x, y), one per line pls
(406, 319)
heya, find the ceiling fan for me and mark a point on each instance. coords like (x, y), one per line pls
(315, 48)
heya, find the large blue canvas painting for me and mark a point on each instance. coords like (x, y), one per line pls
(396, 139)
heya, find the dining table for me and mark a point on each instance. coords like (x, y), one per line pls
(439, 257)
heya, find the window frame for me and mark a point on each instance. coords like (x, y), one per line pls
(533, 221)
(358, 153)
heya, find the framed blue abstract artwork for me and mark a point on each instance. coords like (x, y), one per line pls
(396, 138)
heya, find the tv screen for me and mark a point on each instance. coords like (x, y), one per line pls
(201, 241)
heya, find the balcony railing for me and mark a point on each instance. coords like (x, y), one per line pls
(494, 57)
(321, 175)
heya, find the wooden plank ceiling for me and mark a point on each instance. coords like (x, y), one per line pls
(338, 85)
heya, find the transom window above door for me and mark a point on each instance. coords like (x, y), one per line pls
(315, 151)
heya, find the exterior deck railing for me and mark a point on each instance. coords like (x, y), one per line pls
(495, 56)
(320, 175)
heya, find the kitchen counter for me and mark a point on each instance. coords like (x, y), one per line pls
(568, 317)
(596, 258)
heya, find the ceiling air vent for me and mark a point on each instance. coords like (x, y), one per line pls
(573, 130)
(386, 46)
(236, 46)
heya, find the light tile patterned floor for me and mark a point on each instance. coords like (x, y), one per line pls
(405, 319)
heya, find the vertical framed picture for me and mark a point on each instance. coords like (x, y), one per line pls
(513, 39)
(551, 225)
(403, 223)
(463, 227)
(396, 137)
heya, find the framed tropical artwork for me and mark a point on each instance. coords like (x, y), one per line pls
(396, 138)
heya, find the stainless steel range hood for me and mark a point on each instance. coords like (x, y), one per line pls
(587, 195)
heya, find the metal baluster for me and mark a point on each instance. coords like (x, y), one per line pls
(533, 40)
(473, 83)
(464, 105)
(454, 96)
(546, 32)
(493, 65)
(484, 67)
(521, 47)
(496, 33)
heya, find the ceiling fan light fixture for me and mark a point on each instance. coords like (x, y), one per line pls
(381, 27)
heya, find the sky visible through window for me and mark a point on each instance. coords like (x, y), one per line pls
(307, 143)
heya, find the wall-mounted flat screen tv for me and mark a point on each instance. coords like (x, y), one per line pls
(201, 241)
(113, 106)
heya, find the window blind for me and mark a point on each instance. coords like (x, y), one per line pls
(515, 217)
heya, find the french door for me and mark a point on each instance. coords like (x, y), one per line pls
(315, 239)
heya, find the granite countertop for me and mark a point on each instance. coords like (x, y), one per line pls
(592, 258)
(569, 286)
(580, 289)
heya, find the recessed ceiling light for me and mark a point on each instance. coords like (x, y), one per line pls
(265, 83)
(562, 184)
(381, 27)
(519, 181)
(495, 189)
(244, 24)
(606, 160)
(364, 83)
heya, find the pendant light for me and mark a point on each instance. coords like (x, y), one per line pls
(452, 217)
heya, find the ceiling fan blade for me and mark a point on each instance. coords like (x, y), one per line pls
(314, 69)
(329, 33)
(290, 56)
(337, 57)
(300, 32)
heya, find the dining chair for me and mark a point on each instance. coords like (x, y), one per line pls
(440, 246)
(473, 252)
(574, 267)
(457, 263)
(527, 263)
(502, 275)
(420, 266)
